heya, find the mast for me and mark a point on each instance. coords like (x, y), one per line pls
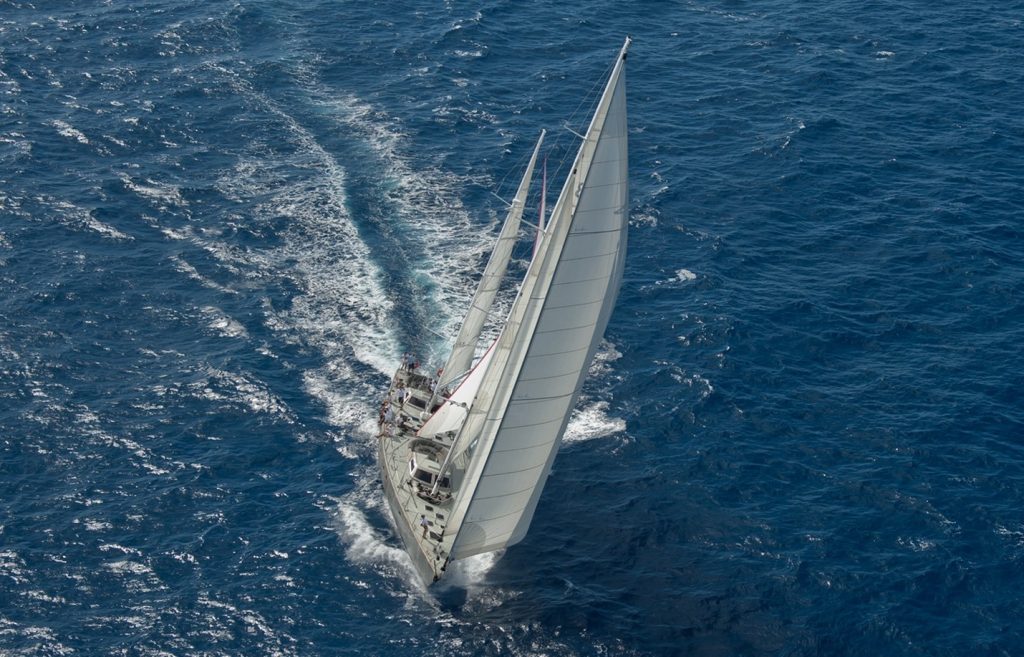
(541, 357)
(469, 334)
(543, 196)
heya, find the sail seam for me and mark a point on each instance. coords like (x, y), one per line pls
(533, 464)
(590, 255)
(575, 305)
(569, 328)
(512, 492)
(595, 161)
(524, 448)
(527, 400)
(602, 210)
(604, 185)
(543, 378)
(581, 280)
(561, 353)
(481, 520)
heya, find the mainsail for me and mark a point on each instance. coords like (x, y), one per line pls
(549, 340)
(464, 476)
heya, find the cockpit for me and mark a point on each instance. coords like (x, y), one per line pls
(424, 471)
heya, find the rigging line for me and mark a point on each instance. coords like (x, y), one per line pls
(517, 166)
(437, 333)
(566, 126)
(495, 195)
(590, 100)
(531, 224)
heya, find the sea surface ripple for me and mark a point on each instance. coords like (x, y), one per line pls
(222, 223)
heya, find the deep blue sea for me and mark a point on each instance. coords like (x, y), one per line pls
(221, 224)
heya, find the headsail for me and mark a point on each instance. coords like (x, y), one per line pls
(452, 413)
(542, 355)
(469, 334)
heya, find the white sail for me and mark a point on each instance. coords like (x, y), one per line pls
(542, 355)
(453, 411)
(473, 323)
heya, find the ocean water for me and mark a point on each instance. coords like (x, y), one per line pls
(221, 223)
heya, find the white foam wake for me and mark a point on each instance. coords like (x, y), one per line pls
(343, 306)
(364, 546)
(426, 201)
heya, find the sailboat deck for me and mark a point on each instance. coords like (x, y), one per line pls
(409, 497)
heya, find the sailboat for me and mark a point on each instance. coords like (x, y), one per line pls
(464, 455)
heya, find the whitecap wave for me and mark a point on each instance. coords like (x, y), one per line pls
(471, 573)
(65, 129)
(72, 216)
(223, 324)
(236, 388)
(346, 406)
(13, 566)
(689, 379)
(186, 268)
(125, 566)
(592, 421)
(162, 194)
